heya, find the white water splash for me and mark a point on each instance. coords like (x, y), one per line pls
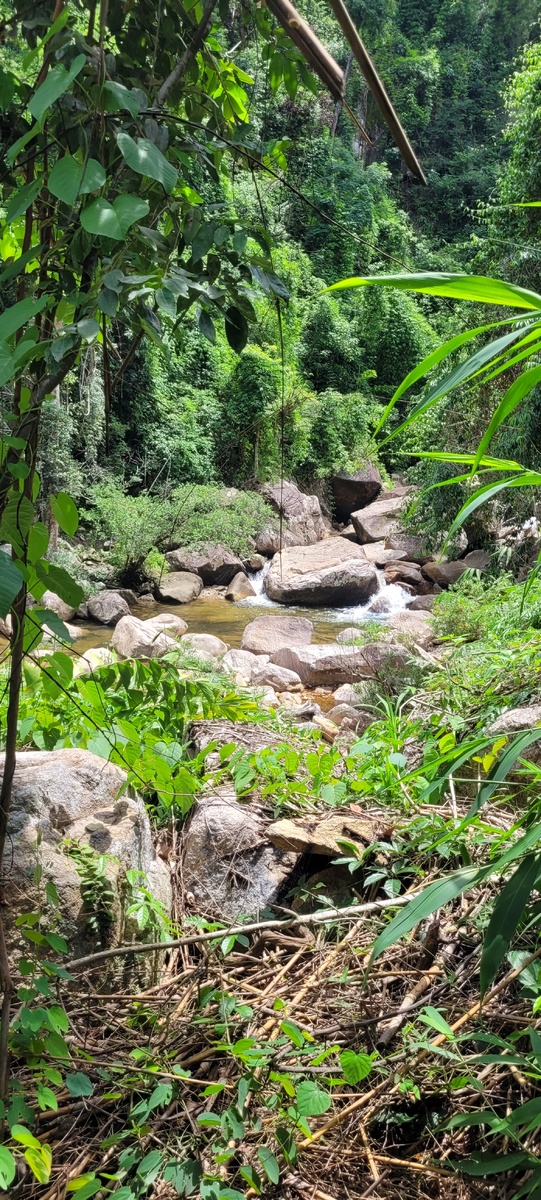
(352, 614)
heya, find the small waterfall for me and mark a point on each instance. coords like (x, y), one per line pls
(257, 580)
(395, 596)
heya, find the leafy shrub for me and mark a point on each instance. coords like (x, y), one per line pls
(340, 434)
(217, 514)
(133, 524)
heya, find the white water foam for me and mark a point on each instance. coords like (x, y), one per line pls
(353, 614)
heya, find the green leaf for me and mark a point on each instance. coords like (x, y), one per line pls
(145, 158)
(311, 1099)
(39, 1162)
(434, 1019)
(21, 200)
(65, 512)
(355, 1066)
(88, 1187)
(11, 582)
(55, 84)
(292, 1032)
(70, 179)
(478, 288)
(116, 97)
(20, 1134)
(493, 1164)
(78, 1084)
(501, 769)
(236, 329)
(56, 1046)
(506, 914)
(269, 1164)
(435, 896)
(60, 582)
(7, 1168)
(18, 314)
(113, 220)
(206, 325)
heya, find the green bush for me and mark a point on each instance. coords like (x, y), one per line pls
(133, 524)
(202, 515)
(340, 433)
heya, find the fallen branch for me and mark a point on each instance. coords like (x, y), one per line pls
(318, 918)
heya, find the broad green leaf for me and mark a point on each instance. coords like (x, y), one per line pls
(57, 81)
(65, 512)
(70, 179)
(206, 325)
(493, 1164)
(60, 582)
(269, 1164)
(435, 896)
(39, 1162)
(87, 1186)
(11, 582)
(236, 329)
(292, 1032)
(78, 1084)
(513, 396)
(355, 1066)
(56, 1046)
(20, 1134)
(38, 541)
(479, 288)
(506, 914)
(491, 464)
(459, 375)
(7, 1168)
(18, 314)
(311, 1099)
(19, 264)
(116, 96)
(113, 220)
(145, 158)
(22, 199)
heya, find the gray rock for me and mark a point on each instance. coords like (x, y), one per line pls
(167, 623)
(53, 602)
(447, 573)
(204, 645)
(330, 665)
(380, 604)
(346, 636)
(303, 519)
(412, 628)
(269, 633)
(228, 866)
(256, 562)
(351, 492)
(73, 794)
(345, 694)
(128, 595)
(422, 603)
(275, 677)
(515, 720)
(349, 534)
(405, 572)
(334, 572)
(215, 564)
(133, 638)
(242, 662)
(240, 587)
(413, 548)
(180, 587)
(107, 607)
(379, 520)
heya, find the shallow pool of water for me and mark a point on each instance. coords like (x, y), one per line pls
(210, 613)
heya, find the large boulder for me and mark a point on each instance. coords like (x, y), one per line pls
(380, 520)
(351, 492)
(53, 602)
(73, 796)
(133, 638)
(240, 587)
(269, 633)
(410, 547)
(180, 587)
(335, 572)
(303, 522)
(330, 665)
(107, 607)
(167, 623)
(229, 868)
(447, 573)
(515, 721)
(215, 564)
(411, 628)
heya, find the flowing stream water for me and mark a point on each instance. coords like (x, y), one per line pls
(211, 613)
